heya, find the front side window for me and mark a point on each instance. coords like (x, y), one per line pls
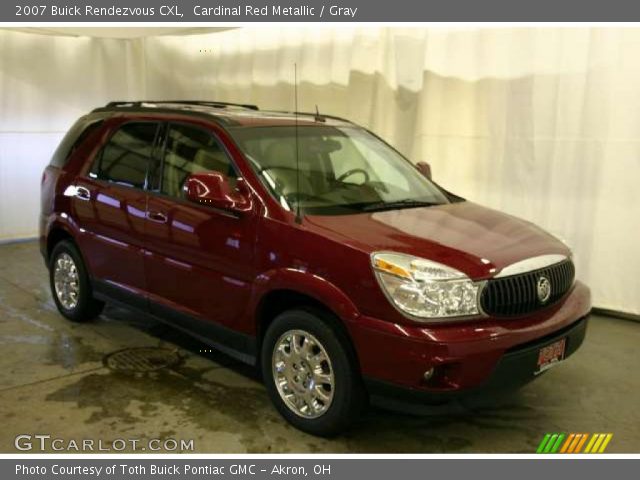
(341, 170)
(125, 158)
(191, 150)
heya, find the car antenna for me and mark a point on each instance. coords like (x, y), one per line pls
(295, 100)
(318, 117)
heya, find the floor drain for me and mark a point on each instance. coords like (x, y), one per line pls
(142, 359)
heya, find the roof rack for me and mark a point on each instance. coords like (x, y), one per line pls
(205, 103)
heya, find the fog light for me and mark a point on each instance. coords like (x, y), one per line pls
(429, 373)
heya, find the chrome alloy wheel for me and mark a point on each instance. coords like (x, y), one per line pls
(66, 281)
(303, 373)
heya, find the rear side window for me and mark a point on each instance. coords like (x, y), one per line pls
(125, 158)
(72, 140)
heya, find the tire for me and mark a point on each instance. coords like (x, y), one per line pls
(342, 396)
(75, 303)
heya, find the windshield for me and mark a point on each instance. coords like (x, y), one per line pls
(342, 170)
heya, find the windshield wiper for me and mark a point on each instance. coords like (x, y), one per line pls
(406, 203)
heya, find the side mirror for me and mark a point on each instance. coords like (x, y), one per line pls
(424, 168)
(214, 189)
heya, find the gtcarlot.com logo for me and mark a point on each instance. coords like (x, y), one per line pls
(45, 443)
(574, 443)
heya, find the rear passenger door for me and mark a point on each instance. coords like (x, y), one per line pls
(200, 259)
(110, 205)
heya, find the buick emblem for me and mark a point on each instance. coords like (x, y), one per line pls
(544, 289)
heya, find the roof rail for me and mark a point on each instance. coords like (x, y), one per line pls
(206, 103)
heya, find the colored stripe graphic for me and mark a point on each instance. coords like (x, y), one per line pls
(590, 444)
(558, 443)
(550, 443)
(573, 443)
(606, 441)
(596, 445)
(543, 443)
(567, 443)
(581, 442)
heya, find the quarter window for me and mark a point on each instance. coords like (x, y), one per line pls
(126, 157)
(74, 138)
(191, 150)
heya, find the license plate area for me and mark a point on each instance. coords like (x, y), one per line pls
(550, 355)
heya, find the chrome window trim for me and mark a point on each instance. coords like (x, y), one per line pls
(531, 264)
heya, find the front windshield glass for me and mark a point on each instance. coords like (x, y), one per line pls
(342, 170)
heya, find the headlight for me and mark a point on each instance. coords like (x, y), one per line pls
(425, 289)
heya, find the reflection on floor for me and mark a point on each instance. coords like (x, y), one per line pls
(53, 380)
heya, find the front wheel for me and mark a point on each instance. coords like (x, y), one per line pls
(309, 373)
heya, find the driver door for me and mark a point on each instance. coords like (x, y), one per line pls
(199, 259)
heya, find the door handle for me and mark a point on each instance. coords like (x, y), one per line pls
(83, 193)
(158, 217)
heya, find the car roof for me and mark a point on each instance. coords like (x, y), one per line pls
(225, 113)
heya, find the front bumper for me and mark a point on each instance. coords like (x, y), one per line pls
(514, 369)
(466, 356)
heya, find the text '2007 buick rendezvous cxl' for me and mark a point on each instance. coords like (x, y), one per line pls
(307, 246)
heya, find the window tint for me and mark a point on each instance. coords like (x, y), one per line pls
(72, 140)
(191, 150)
(126, 157)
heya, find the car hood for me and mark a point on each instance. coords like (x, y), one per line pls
(476, 240)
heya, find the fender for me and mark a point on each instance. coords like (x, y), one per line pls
(63, 222)
(307, 284)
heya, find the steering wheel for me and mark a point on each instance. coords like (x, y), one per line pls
(353, 171)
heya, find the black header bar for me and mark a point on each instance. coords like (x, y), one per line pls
(208, 11)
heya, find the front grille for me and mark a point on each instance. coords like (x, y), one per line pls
(518, 294)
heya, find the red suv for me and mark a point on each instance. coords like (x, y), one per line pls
(307, 246)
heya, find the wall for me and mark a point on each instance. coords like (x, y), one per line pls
(542, 123)
(46, 83)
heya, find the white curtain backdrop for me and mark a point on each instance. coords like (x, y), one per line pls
(46, 83)
(543, 123)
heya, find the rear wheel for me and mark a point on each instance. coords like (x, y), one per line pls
(309, 373)
(70, 285)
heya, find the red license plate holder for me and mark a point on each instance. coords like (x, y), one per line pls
(550, 355)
